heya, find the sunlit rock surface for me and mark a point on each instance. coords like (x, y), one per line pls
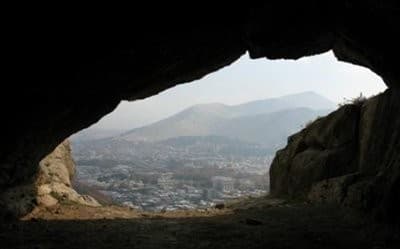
(50, 185)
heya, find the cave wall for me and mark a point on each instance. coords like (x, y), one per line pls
(350, 157)
(50, 186)
(71, 66)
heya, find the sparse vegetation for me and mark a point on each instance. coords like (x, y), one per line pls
(359, 100)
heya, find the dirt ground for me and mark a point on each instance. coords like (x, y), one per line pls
(251, 223)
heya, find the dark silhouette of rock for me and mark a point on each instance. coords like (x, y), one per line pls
(349, 157)
(67, 68)
(253, 222)
(220, 206)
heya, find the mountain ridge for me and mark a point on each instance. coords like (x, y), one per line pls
(210, 119)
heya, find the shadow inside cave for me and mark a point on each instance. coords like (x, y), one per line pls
(289, 225)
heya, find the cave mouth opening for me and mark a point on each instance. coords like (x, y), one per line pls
(253, 223)
(211, 141)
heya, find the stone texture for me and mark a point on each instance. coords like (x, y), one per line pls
(349, 157)
(58, 166)
(65, 73)
(334, 190)
(50, 186)
(323, 150)
(53, 180)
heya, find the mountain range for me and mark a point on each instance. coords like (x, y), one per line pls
(253, 128)
(261, 121)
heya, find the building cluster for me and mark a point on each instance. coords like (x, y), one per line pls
(164, 192)
(223, 184)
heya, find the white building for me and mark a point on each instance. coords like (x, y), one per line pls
(223, 183)
(165, 181)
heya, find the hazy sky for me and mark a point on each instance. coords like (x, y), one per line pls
(247, 80)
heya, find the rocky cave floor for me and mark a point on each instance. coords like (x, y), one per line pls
(251, 223)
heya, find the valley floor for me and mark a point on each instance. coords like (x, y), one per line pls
(252, 223)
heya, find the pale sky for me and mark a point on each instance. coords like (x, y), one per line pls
(247, 80)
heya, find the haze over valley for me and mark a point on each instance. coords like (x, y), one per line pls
(198, 157)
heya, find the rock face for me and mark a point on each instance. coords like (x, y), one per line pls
(65, 73)
(351, 157)
(54, 179)
(51, 185)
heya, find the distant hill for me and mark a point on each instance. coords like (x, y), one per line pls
(270, 129)
(309, 100)
(261, 121)
(201, 132)
(95, 134)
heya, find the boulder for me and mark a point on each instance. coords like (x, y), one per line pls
(50, 186)
(351, 157)
(324, 149)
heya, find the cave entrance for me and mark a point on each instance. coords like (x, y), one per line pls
(210, 141)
